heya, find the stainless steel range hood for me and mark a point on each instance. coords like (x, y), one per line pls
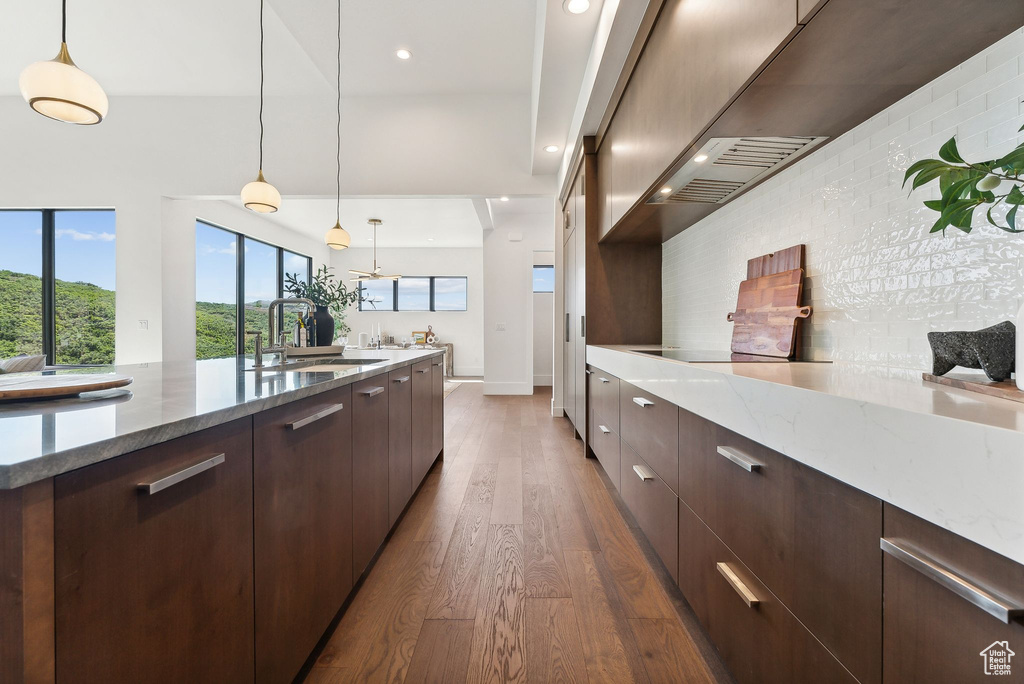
(725, 166)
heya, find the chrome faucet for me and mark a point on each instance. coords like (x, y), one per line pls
(280, 349)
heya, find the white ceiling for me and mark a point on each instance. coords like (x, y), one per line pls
(407, 222)
(204, 48)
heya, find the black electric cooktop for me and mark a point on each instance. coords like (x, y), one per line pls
(717, 356)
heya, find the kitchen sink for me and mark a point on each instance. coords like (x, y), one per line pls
(318, 365)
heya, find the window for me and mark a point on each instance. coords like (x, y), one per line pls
(236, 279)
(543, 278)
(57, 284)
(415, 293)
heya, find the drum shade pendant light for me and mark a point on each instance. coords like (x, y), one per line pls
(363, 276)
(337, 237)
(58, 89)
(259, 195)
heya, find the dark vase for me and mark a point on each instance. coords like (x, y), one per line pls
(324, 326)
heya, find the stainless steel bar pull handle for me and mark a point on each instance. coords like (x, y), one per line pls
(643, 473)
(568, 327)
(423, 370)
(642, 403)
(603, 429)
(995, 605)
(312, 418)
(372, 392)
(180, 476)
(404, 378)
(438, 363)
(737, 584)
(604, 380)
(740, 459)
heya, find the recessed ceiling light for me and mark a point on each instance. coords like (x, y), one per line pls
(369, 239)
(576, 6)
(666, 190)
(402, 53)
(551, 148)
(700, 158)
(504, 199)
(430, 239)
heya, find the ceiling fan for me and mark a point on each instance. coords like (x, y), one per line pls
(375, 274)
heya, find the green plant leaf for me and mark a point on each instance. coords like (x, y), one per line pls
(1015, 196)
(1013, 159)
(949, 152)
(923, 165)
(928, 176)
(957, 190)
(934, 204)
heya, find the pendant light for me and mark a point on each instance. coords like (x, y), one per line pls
(337, 237)
(259, 195)
(60, 90)
(363, 276)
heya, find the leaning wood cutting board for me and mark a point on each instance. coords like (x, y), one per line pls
(19, 386)
(767, 310)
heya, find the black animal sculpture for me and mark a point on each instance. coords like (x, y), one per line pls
(990, 349)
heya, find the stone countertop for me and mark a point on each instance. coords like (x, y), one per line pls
(40, 439)
(952, 457)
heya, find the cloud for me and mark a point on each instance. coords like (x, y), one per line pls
(78, 235)
(210, 249)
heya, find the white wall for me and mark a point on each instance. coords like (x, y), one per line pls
(879, 281)
(543, 327)
(508, 299)
(464, 329)
(151, 148)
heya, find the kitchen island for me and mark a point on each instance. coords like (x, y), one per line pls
(208, 523)
(823, 525)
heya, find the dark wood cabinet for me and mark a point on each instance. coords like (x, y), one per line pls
(399, 442)
(302, 480)
(437, 406)
(653, 505)
(370, 465)
(759, 639)
(604, 397)
(422, 421)
(811, 539)
(649, 425)
(605, 443)
(153, 563)
(569, 350)
(932, 633)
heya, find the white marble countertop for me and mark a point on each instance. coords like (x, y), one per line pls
(952, 457)
(40, 439)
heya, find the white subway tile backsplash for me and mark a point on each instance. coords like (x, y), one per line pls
(878, 280)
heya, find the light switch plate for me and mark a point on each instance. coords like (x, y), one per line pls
(500, 327)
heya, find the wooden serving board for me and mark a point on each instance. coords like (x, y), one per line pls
(767, 310)
(1007, 389)
(19, 387)
(776, 262)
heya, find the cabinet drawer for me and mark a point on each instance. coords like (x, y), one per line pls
(932, 633)
(759, 642)
(604, 397)
(399, 442)
(155, 584)
(605, 443)
(653, 505)
(808, 537)
(649, 424)
(422, 421)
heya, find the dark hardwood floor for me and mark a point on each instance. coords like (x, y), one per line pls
(515, 562)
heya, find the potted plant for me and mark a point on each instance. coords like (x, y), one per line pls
(967, 186)
(331, 298)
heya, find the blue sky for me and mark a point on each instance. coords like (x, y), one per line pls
(84, 249)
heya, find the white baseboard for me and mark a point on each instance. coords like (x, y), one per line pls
(508, 388)
(469, 371)
(542, 381)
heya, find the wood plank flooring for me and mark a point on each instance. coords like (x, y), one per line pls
(515, 563)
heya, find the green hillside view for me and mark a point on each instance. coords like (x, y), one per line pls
(85, 321)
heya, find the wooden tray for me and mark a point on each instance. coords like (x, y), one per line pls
(19, 386)
(1006, 389)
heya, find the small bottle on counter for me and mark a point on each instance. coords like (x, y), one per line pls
(302, 333)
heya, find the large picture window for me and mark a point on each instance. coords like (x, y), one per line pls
(236, 279)
(57, 283)
(415, 293)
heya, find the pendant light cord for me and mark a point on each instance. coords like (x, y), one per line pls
(261, 85)
(338, 206)
(64, 21)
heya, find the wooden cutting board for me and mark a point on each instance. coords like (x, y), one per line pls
(767, 310)
(19, 387)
